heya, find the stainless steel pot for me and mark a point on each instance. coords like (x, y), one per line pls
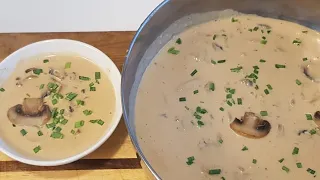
(143, 48)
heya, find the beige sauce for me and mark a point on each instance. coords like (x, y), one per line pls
(169, 133)
(101, 102)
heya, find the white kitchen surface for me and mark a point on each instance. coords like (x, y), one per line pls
(73, 15)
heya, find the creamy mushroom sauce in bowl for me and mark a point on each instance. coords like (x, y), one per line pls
(234, 98)
(59, 105)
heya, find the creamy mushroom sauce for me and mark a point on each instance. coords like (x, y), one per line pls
(55, 138)
(209, 76)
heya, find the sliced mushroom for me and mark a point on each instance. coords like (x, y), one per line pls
(58, 75)
(251, 126)
(32, 112)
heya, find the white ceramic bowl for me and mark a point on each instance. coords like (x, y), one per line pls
(64, 46)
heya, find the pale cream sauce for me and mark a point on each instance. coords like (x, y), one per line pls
(101, 102)
(167, 129)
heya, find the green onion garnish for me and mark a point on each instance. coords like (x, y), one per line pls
(264, 113)
(41, 86)
(182, 99)
(256, 28)
(213, 62)
(211, 86)
(232, 91)
(80, 102)
(229, 103)
(40, 133)
(269, 87)
(87, 112)
(313, 131)
(61, 111)
(298, 82)
(280, 66)
(2, 90)
(197, 116)
(190, 160)
(237, 69)
(269, 31)
(214, 171)
(263, 41)
(234, 20)
(309, 117)
(92, 88)
(220, 141)
(91, 84)
(305, 32)
(52, 86)
(295, 151)
(299, 165)
(195, 91)
(250, 30)
(252, 75)
(79, 124)
(73, 132)
(54, 112)
(54, 101)
(200, 110)
(229, 96)
(256, 87)
(281, 160)
(266, 91)
(221, 61)
(256, 71)
(297, 42)
(56, 120)
(239, 100)
(100, 122)
(67, 65)
(36, 149)
(179, 41)
(311, 171)
(305, 59)
(254, 161)
(64, 121)
(23, 132)
(214, 37)
(84, 78)
(37, 71)
(70, 96)
(285, 169)
(255, 67)
(200, 123)
(97, 75)
(51, 125)
(94, 121)
(173, 51)
(57, 129)
(45, 60)
(221, 109)
(193, 72)
(245, 148)
(56, 135)
(262, 60)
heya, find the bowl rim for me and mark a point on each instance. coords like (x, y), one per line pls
(109, 130)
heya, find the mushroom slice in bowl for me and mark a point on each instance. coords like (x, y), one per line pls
(32, 112)
(251, 126)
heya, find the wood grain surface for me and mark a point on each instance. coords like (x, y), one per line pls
(114, 160)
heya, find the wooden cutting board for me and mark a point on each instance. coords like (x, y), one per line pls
(116, 159)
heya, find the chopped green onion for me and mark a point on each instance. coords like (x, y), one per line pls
(221, 61)
(23, 132)
(285, 169)
(56, 120)
(36, 149)
(193, 72)
(298, 82)
(70, 96)
(84, 78)
(93, 121)
(256, 71)
(269, 31)
(313, 131)
(195, 91)
(91, 84)
(87, 112)
(232, 91)
(80, 102)
(229, 96)
(197, 116)
(256, 67)
(214, 37)
(299, 165)
(305, 32)
(245, 148)
(309, 117)
(280, 66)
(311, 171)
(237, 69)
(173, 51)
(297, 42)
(239, 100)
(266, 91)
(67, 65)
(45, 60)
(281, 160)
(264, 113)
(97, 75)
(64, 121)
(79, 124)
(200, 110)
(190, 160)
(254, 161)
(222, 178)
(37, 71)
(214, 171)
(182, 99)
(54, 101)
(73, 132)
(263, 41)
(179, 41)
(57, 129)
(54, 112)
(2, 90)
(269, 87)
(213, 62)
(220, 141)
(305, 59)
(40, 133)
(52, 86)
(295, 151)
(57, 135)
(211, 86)
(250, 30)
(100, 122)
(229, 103)
(92, 88)
(221, 109)
(61, 111)
(234, 20)
(256, 87)
(200, 123)
(252, 75)
(262, 60)
(256, 28)
(41, 86)
(51, 125)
